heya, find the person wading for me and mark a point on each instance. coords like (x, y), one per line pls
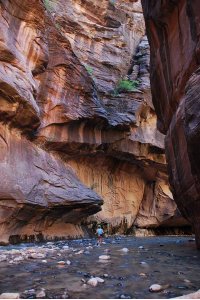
(99, 235)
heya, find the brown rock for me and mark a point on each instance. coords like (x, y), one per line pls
(35, 183)
(60, 68)
(175, 58)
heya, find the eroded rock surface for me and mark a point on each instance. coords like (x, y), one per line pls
(69, 138)
(173, 29)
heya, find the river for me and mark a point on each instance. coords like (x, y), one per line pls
(62, 269)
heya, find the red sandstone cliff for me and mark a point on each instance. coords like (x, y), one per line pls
(68, 141)
(173, 29)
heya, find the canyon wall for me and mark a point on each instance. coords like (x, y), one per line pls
(70, 138)
(173, 29)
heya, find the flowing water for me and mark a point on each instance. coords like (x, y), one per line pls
(150, 260)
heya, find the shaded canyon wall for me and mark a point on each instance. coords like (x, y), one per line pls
(173, 29)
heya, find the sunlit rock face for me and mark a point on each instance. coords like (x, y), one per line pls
(173, 29)
(69, 139)
(103, 34)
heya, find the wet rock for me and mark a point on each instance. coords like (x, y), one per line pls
(143, 263)
(187, 281)
(195, 295)
(44, 261)
(79, 252)
(41, 294)
(125, 296)
(61, 262)
(143, 274)
(87, 275)
(92, 282)
(18, 259)
(10, 296)
(158, 287)
(65, 247)
(28, 294)
(36, 255)
(65, 296)
(104, 257)
(99, 279)
(125, 250)
(155, 288)
(3, 257)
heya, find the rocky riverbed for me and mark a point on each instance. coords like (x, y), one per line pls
(122, 267)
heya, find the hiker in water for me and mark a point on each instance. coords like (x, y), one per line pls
(99, 235)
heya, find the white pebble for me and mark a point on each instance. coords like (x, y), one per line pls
(61, 262)
(10, 296)
(99, 279)
(44, 261)
(155, 288)
(92, 282)
(104, 257)
(125, 250)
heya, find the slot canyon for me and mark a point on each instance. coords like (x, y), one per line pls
(99, 127)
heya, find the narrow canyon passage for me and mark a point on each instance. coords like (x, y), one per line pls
(99, 126)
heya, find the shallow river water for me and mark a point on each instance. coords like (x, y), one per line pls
(172, 261)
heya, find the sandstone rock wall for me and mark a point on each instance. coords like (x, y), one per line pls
(173, 28)
(69, 139)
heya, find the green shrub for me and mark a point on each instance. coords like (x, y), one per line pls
(89, 69)
(48, 5)
(125, 85)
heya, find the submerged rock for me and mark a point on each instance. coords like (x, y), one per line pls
(104, 257)
(41, 294)
(125, 250)
(10, 296)
(158, 287)
(92, 282)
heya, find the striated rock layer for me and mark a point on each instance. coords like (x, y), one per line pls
(69, 137)
(173, 29)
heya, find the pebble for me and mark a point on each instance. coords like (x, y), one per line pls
(37, 255)
(61, 262)
(124, 296)
(158, 287)
(104, 257)
(44, 261)
(92, 282)
(143, 263)
(10, 296)
(65, 247)
(19, 258)
(99, 279)
(65, 296)
(41, 294)
(141, 247)
(79, 252)
(125, 250)
(155, 288)
(187, 281)
(3, 257)
(68, 262)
